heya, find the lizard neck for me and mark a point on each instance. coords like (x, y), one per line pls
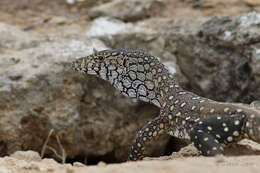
(150, 82)
(166, 86)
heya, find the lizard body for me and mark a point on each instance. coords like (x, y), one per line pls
(206, 123)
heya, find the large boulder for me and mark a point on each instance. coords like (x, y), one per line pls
(39, 92)
(221, 58)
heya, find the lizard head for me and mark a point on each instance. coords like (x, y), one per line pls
(127, 70)
(105, 64)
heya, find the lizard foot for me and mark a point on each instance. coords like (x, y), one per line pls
(148, 133)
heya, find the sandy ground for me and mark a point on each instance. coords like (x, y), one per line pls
(243, 164)
(186, 160)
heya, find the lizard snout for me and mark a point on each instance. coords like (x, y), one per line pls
(76, 65)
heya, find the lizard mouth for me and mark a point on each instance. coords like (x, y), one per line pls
(91, 72)
(76, 65)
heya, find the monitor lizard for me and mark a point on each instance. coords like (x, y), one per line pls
(206, 123)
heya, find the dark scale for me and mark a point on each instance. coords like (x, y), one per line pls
(207, 123)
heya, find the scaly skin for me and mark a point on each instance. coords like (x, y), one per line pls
(183, 114)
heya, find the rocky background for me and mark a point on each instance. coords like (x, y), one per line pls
(48, 108)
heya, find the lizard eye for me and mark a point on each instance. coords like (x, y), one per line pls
(100, 58)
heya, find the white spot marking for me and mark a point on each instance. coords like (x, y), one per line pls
(226, 129)
(230, 139)
(239, 110)
(178, 114)
(183, 104)
(236, 122)
(235, 133)
(226, 109)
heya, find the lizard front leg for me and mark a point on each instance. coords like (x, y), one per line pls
(208, 134)
(148, 133)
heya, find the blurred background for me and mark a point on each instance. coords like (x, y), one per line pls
(212, 46)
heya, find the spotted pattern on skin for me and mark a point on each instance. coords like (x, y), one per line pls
(213, 129)
(206, 123)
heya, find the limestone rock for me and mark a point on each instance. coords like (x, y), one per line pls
(116, 33)
(39, 92)
(127, 10)
(219, 59)
(12, 38)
